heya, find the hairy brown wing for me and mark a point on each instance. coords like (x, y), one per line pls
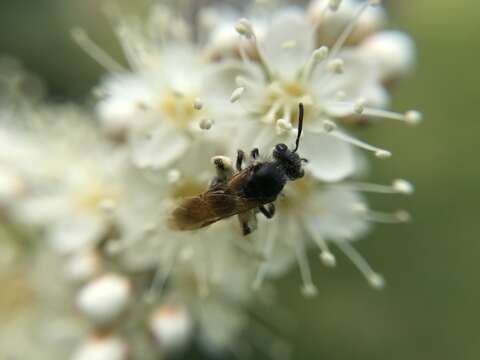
(205, 209)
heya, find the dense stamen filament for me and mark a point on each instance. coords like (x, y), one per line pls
(373, 278)
(95, 52)
(380, 153)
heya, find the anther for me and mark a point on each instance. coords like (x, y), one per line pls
(244, 27)
(328, 259)
(289, 44)
(329, 126)
(333, 5)
(337, 66)
(403, 216)
(206, 124)
(321, 53)
(237, 94)
(173, 176)
(403, 187)
(383, 154)
(413, 117)
(197, 104)
(376, 281)
(359, 106)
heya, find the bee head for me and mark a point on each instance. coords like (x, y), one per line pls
(288, 159)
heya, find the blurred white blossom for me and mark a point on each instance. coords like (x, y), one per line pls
(90, 266)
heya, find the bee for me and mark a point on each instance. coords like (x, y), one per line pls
(246, 192)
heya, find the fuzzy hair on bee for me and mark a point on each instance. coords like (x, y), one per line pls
(244, 191)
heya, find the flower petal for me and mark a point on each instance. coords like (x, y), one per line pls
(160, 147)
(288, 43)
(330, 159)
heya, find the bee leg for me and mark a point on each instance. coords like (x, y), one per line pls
(223, 166)
(268, 211)
(248, 222)
(255, 153)
(240, 158)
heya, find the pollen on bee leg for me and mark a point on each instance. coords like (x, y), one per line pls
(223, 166)
(374, 279)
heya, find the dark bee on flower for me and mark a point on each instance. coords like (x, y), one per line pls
(246, 192)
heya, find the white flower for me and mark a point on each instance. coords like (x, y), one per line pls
(162, 105)
(333, 84)
(328, 213)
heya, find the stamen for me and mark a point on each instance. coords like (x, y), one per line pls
(94, 51)
(411, 117)
(263, 269)
(242, 81)
(308, 289)
(398, 186)
(283, 126)
(359, 106)
(374, 279)
(403, 187)
(348, 30)
(173, 176)
(159, 281)
(205, 124)
(288, 45)
(270, 115)
(317, 57)
(380, 153)
(336, 66)
(333, 5)
(237, 94)
(197, 104)
(399, 217)
(245, 28)
(329, 126)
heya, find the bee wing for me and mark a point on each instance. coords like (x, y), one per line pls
(205, 209)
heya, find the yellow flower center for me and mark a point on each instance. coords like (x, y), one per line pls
(283, 99)
(96, 196)
(179, 108)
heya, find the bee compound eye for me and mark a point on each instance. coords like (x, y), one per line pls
(281, 147)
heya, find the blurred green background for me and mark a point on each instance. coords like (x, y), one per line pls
(430, 308)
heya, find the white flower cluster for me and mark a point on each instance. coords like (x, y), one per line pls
(93, 191)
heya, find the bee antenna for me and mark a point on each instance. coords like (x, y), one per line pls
(300, 125)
